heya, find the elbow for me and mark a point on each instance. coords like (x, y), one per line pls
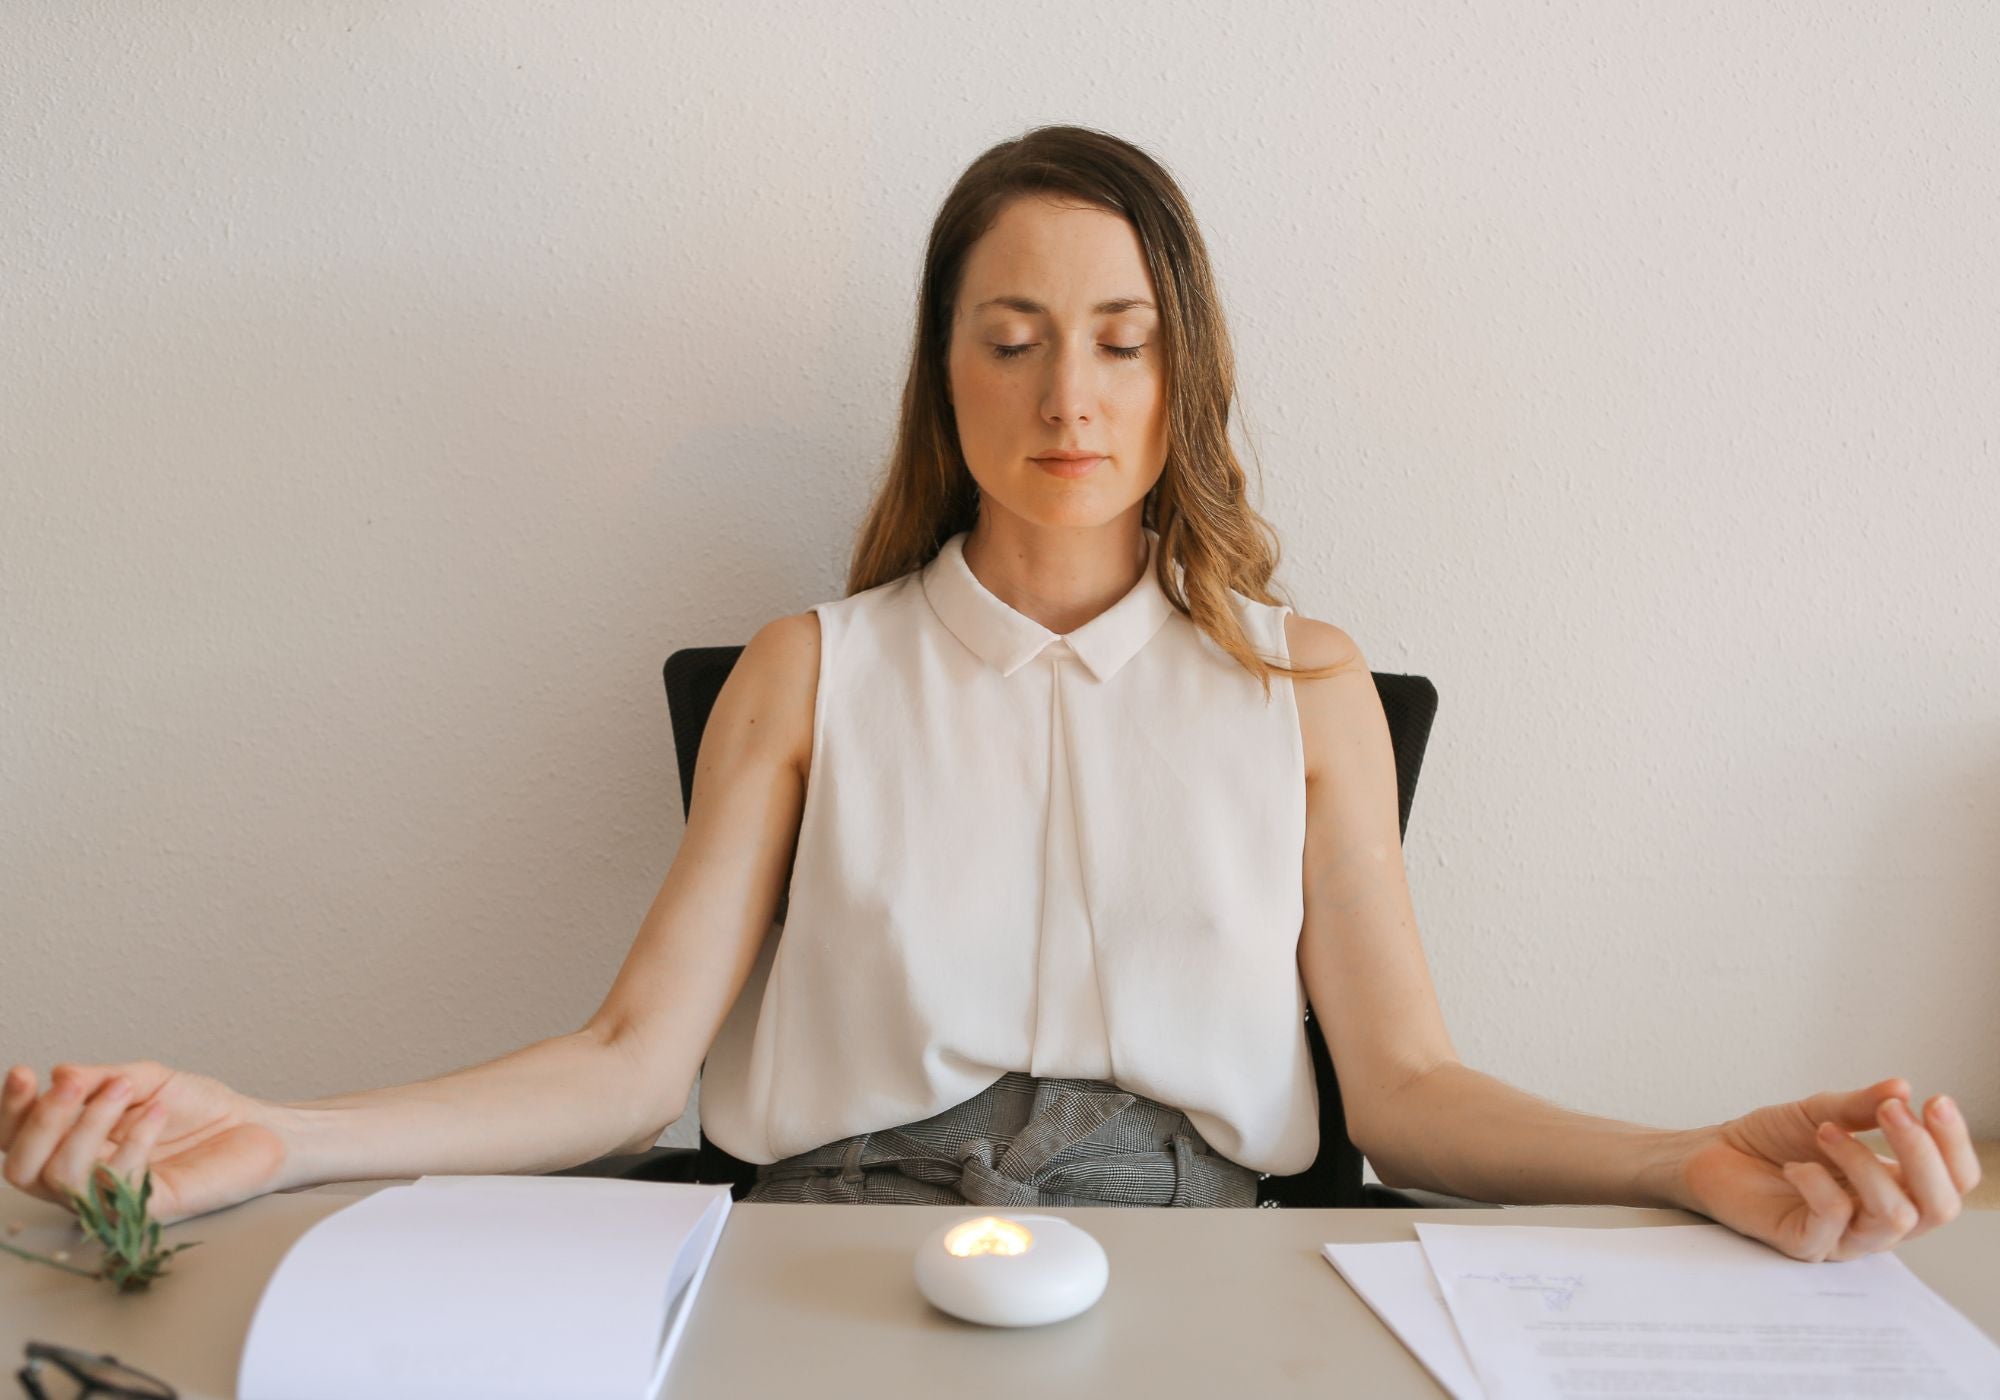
(646, 1136)
(1365, 1130)
(1369, 1144)
(1378, 1121)
(655, 1107)
(1384, 1152)
(653, 1126)
(651, 1099)
(644, 1143)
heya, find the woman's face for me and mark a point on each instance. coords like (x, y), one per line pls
(1058, 282)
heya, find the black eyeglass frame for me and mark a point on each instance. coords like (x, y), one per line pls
(72, 1360)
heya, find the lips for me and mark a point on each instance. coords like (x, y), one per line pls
(1067, 466)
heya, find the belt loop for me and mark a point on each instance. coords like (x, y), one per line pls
(1203, 1177)
(1183, 1169)
(850, 1161)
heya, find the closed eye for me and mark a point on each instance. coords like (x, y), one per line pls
(1008, 352)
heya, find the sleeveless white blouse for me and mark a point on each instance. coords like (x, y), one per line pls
(1080, 856)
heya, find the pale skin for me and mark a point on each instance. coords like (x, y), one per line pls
(1059, 550)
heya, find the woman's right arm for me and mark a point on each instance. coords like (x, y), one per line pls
(612, 1085)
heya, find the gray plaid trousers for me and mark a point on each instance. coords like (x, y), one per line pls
(1019, 1142)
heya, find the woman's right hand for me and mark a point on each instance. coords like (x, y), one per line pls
(207, 1145)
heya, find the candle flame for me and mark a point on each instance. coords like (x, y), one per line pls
(989, 1234)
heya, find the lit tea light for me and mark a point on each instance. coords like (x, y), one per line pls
(1012, 1271)
(989, 1234)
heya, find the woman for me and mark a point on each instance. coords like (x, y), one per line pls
(1047, 931)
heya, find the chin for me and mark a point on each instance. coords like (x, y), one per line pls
(1068, 506)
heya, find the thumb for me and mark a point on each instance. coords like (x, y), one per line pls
(1854, 1109)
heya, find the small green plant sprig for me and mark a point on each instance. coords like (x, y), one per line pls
(120, 1225)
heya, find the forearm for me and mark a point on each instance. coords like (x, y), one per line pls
(1465, 1133)
(553, 1104)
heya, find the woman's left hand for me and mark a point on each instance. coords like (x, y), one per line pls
(1779, 1176)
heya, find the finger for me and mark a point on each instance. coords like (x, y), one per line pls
(135, 1106)
(128, 1123)
(1886, 1214)
(71, 1166)
(1924, 1178)
(130, 1160)
(19, 1099)
(16, 1095)
(1855, 1109)
(1953, 1138)
(1829, 1206)
(42, 1131)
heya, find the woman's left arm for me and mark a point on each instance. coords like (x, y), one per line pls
(1424, 1119)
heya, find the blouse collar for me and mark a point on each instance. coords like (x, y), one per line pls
(1007, 640)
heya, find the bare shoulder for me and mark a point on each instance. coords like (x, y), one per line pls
(786, 644)
(767, 702)
(1313, 643)
(1337, 711)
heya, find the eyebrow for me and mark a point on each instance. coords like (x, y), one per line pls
(1035, 308)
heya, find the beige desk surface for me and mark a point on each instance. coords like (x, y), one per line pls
(819, 1301)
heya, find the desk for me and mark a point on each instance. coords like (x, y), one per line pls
(819, 1301)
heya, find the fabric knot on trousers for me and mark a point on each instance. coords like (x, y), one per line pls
(1022, 1142)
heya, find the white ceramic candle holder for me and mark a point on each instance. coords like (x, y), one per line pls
(1012, 1270)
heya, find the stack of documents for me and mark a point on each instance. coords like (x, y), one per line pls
(1496, 1311)
(488, 1286)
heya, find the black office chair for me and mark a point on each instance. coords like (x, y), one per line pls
(694, 677)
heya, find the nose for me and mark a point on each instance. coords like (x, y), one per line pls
(1071, 393)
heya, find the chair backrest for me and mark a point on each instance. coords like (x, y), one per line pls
(694, 677)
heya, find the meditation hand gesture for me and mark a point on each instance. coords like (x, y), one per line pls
(1778, 1175)
(207, 1145)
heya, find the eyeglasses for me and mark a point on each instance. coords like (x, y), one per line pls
(79, 1375)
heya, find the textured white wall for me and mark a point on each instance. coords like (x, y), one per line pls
(389, 388)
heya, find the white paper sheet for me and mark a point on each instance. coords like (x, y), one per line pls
(1395, 1280)
(1696, 1310)
(499, 1287)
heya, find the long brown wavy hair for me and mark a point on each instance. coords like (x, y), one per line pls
(1205, 524)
